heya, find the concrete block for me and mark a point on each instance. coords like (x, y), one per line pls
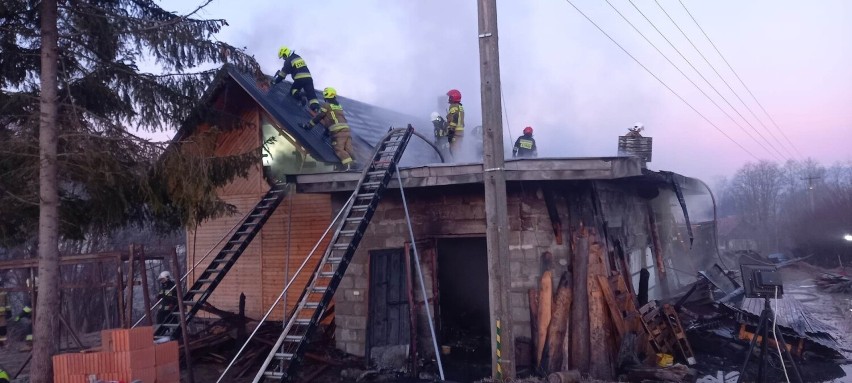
(355, 295)
(514, 267)
(355, 270)
(518, 299)
(346, 282)
(343, 307)
(354, 322)
(362, 283)
(395, 241)
(354, 348)
(520, 313)
(521, 329)
(345, 334)
(394, 214)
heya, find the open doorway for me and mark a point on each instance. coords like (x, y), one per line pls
(464, 311)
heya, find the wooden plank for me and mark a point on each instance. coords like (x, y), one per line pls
(533, 296)
(559, 324)
(545, 312)
(580, 307)
(600, 366)
(614, 311)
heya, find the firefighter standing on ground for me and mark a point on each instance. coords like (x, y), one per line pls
(294, 65)
(525, 145)
(455, 121)
(5, 315)
(331, 116)
(167, 296)
(25, 319)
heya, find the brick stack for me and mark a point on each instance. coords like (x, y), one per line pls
(125, 355)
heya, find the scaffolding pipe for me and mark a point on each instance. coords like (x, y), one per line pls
(420, 275)
(278, 300)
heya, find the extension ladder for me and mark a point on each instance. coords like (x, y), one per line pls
(285, 357)
(197, 295)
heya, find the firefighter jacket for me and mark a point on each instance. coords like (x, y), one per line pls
(294, 66)
(440, 127)
(331, 116)
(168, 294)
(455, 118)
(4, 376)
(525, 147)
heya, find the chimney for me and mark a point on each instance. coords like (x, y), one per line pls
(635, 145)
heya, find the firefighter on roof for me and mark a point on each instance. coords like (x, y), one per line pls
(331, 116)
(440, 126)
(295, 66)
(455, 121)
(525, 145)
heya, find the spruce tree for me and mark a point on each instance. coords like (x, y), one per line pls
(73, 96)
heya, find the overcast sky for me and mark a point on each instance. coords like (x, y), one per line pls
(568, 81)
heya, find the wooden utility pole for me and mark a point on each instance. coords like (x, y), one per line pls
(183, 330)
(494, 178)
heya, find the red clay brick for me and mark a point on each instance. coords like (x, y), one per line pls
(166, 353)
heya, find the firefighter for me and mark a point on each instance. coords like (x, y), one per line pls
(5, 314)
(455, 121)
(525, 145)
(167, 296)
(295, 66)
(25, 318)
(331, 116)
(440, 126)
(4, 376)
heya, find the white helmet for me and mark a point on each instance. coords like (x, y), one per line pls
(638, 126)
(436, 116)
(165, 275)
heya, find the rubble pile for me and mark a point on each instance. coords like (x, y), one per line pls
(834, 283)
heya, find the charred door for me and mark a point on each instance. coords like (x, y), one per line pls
(389, 320)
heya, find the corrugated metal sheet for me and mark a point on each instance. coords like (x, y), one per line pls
(793, 315)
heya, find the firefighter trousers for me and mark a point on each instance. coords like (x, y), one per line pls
(341, 141)
(305, 86)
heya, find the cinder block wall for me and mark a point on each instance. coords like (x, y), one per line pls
(445, 212)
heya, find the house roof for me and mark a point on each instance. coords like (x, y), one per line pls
(368, 123)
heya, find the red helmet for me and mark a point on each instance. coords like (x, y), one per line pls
(528, 130)
(454, 95)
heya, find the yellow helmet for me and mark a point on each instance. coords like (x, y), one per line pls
(329, 93)
(284, 52)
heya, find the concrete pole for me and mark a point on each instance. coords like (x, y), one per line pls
(496, 217)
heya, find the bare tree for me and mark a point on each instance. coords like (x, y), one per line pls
(755, 191)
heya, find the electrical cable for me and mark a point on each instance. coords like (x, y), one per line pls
(741, 80)
(663, 83)
(789, 154)
(783, 156)
(777, 345)
(688, 78)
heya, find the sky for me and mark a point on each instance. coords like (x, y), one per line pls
(571, 83)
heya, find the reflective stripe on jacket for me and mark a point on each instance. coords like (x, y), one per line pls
(295, 66)
(455, 117)
(331, 116)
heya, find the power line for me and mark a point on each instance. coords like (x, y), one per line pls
(662, 82)
(741, 80)
(782, 156)
(788, 152)
(688, 79)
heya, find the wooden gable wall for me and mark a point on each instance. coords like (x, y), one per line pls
(292, 230)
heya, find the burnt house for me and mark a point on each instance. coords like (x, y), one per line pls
(643, 220)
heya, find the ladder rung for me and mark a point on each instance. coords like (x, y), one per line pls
(354, 219)
(293, 338)
(365, 195)
(360, 207)
(189, 303)
(319, 289)
(237, 241)
(375, 173)
(341, 246)
(327, 274)
(302, 321)
(213, 271)
(335, 260)
(273, 374)
(221, 260)
(312, 305)
(347, 233)
(372, 183)
(204, 281)
(170, 324)
(283, 355)
(195, 291)
(229, 251)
